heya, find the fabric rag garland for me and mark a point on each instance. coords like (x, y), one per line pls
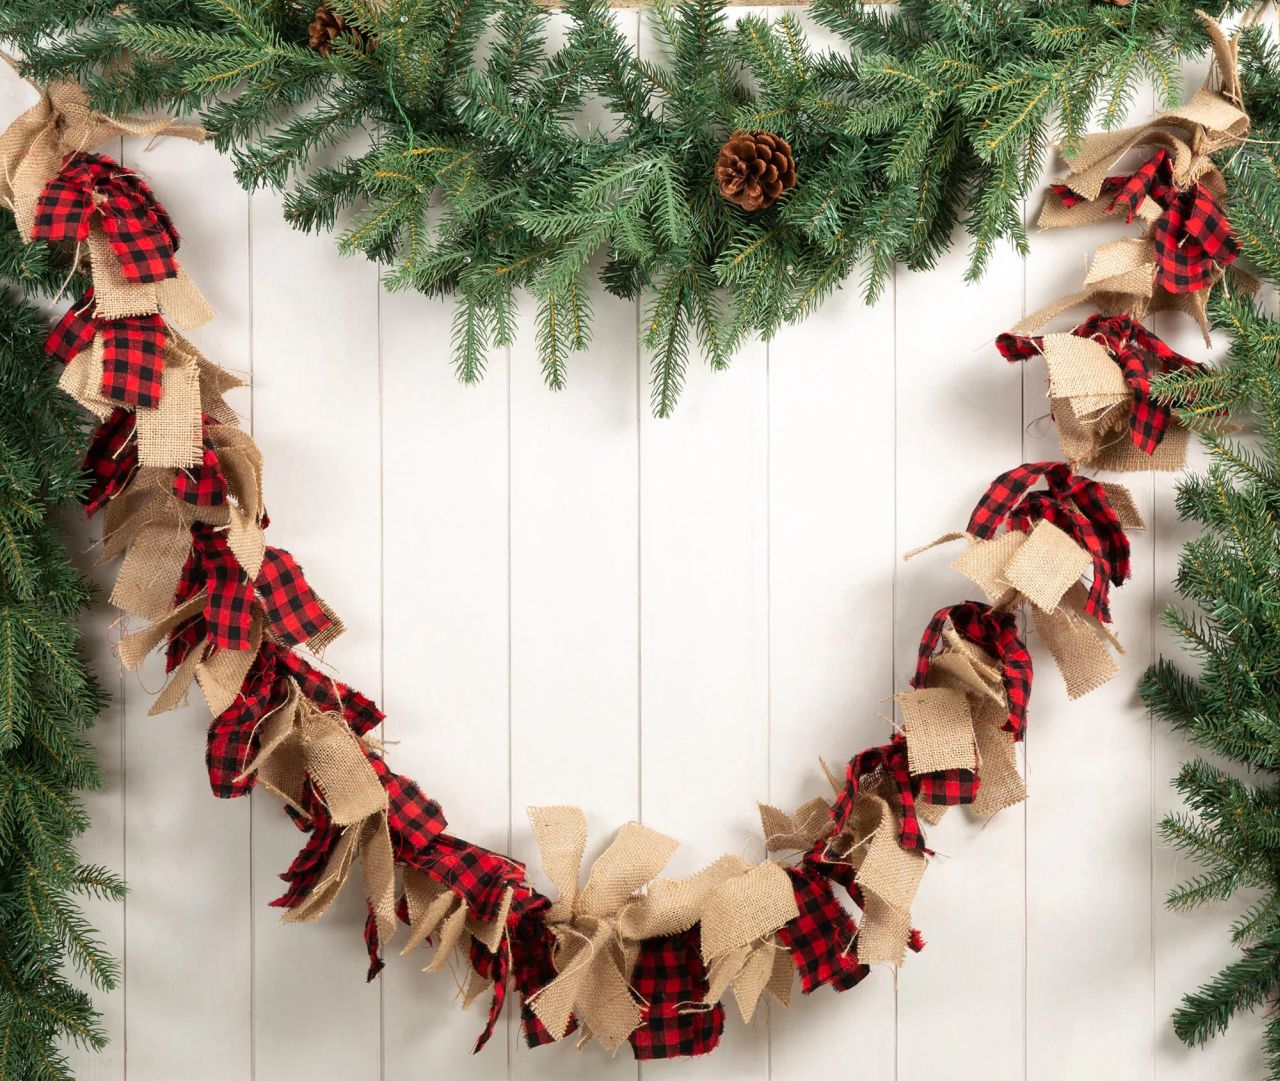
(627, 957)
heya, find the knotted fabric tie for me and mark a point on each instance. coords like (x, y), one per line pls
(1074, 504)
(132, 350)
(996, 632)
(138, 227)
(1137, 351)
(1192, 237)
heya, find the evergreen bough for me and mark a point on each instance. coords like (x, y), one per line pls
(480, 178)
(48, 698)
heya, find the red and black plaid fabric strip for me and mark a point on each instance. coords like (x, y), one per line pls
(74, 331)
(1191, 237)
(892, 759)
(132, 351)
(670, 977)
(1075, 504)
(309, 864)
(1137, 351)
(413, 819)
(996, 632)
(204, 485)
(475, 874)
(110, 461)
(327, 694)
(376, 964)
(228, 607)
(292, 609)
(947, 787)
(822, 938)
(233, 734)
(138, 227)
(496, 968)
(532, 968)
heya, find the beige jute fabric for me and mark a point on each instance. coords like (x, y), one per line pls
(338, 766)
(241, 463)
(1079, 651)
(247, 541)
(958, 671)
(591, 981)
(746, 908)
(797, 832)
(279, 764)
(1121, 456)
(672, 905)
(151, 566)
(429, 903)
(169, 435)
(115, 297)
(1083, 370)
(1046, 566)
(1121, 278)
(887, 873)
(1121, 500)
(985, 561)
(82, 380)
(939, 730)
(1002, 785)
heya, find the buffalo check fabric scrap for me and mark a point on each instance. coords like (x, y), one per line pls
(93, 186)
(670, 977)
(890, 759)
(110, 460)
(996, 632)
(292, 608)
(1192, 237)
(1077, 505)
(1137, 351)
(132, 350)
(823, 937)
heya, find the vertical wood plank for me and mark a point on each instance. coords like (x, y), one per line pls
(704, 630)
(188, 860)
(315, 411)
(1089, 778)
(445, 485)
(959, 423)
(831, 571)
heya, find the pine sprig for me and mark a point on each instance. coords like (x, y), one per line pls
(48, 699)
(926, 116)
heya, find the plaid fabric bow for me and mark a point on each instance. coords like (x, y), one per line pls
(1076, 505)
(1137, 351)
(892, 759)
(669, 977)
(138, 227)
(1193, 234)
(995, 632)
(132, 350)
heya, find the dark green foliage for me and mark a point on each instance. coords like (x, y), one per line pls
(480, 176)
(1230, 578)
(48, 698)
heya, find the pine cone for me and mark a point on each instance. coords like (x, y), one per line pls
(755, 168)
(328, 24)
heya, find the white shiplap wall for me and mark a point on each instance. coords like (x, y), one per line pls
(560, 599)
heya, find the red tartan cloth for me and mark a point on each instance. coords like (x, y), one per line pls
(996, 632)
(94, 186)
(670, 977)
(823, 937)
(132, 350)
(1137, 351)
(1075, 504)
(1191, 237)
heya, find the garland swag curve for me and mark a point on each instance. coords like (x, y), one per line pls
(925, 116)
(631, 957)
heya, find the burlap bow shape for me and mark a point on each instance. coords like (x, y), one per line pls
(599, 927)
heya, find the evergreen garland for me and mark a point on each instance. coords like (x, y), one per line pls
(931, 114)
(48, 698)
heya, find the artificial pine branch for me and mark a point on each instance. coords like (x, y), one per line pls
(48, 699)
(928, 117)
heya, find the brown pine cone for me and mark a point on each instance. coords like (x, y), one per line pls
(327, 24)
(755, 168)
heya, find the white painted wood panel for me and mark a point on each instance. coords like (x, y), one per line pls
(558, 599)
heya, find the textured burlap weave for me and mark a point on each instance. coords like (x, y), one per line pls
(1046, 566)
(169, 434)
(939, 729)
